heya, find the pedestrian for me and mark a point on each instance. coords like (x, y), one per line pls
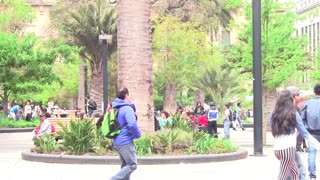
(227, 121)
(284, 120)
(199, 110)
(213, 116)
(311, 117)
(123, 143)
(28, 111)
(239, 116)
(302, 172)
(91, 106)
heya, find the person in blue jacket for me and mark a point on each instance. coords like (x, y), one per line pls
(123, 143)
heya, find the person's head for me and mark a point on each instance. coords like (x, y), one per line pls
(28, 102)
(226, 106)
(211, 104)
(239, 104)
(164, 114)
(316, 89)
(44, 116)
(123, 94)
(284, 114)
(88, 97)
(295, 92)
(199, 104)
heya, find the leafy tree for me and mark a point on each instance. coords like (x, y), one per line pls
(26, 63)
(82, 26)
(14, 14)
(186, 50)
(282, 53)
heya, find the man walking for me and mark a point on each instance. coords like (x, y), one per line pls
(295, 94)
(123, 143)
(310, 114)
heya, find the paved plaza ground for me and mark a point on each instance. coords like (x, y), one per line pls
(265, 167)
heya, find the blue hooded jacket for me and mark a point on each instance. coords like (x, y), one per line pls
(128, 121)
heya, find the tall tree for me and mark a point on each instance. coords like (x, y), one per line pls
(135, 57)
(82, 27)
(282, 53)
(26, 64)
(186, 51)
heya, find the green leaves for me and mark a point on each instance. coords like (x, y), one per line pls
(282, 53)
(77, 135)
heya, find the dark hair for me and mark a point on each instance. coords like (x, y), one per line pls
(284, 114)
(88, 97)
(316, 89)
(227, 105)
(122, 93)
(239, 104)
(165, 113)
(47, 115)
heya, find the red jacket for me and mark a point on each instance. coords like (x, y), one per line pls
(203, 120)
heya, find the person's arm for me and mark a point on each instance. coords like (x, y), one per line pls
(132, 122)
(304, 133)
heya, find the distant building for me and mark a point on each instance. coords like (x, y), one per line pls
(310, 27)
(41, 24)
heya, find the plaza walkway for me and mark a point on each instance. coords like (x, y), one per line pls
(265, 167)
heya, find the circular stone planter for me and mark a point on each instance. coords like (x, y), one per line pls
(145, 160)
(16, 130)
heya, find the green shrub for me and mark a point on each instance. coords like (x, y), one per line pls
(6, 122)
(46, 144)
(77, 136)
(99, 144)
(143, 145)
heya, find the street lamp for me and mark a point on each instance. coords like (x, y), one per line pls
(104, 38)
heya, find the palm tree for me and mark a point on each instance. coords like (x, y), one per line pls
(82, 27)
(220, 84)
(135, 57)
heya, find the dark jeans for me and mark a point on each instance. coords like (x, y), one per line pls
(212, 128)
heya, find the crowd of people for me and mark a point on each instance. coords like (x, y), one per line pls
(205, 119)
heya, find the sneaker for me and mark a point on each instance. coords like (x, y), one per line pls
(243, 129)
(234, 129)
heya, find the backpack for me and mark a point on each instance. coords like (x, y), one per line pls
(212, 115)
(93, 105)
(230, 115)
(110, 126)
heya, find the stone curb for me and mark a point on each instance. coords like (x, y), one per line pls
(16, 130)
(146, 160)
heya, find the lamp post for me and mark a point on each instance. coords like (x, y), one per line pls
(104, 38)
(257, 79)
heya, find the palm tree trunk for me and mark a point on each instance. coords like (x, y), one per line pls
(170, 98)
(81, 93)
(135, 58)
(199, 97)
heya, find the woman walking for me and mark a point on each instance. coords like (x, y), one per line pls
(284, 121)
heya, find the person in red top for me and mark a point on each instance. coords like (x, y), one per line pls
(203, 122)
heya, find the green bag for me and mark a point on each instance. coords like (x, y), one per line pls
(110, 125)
